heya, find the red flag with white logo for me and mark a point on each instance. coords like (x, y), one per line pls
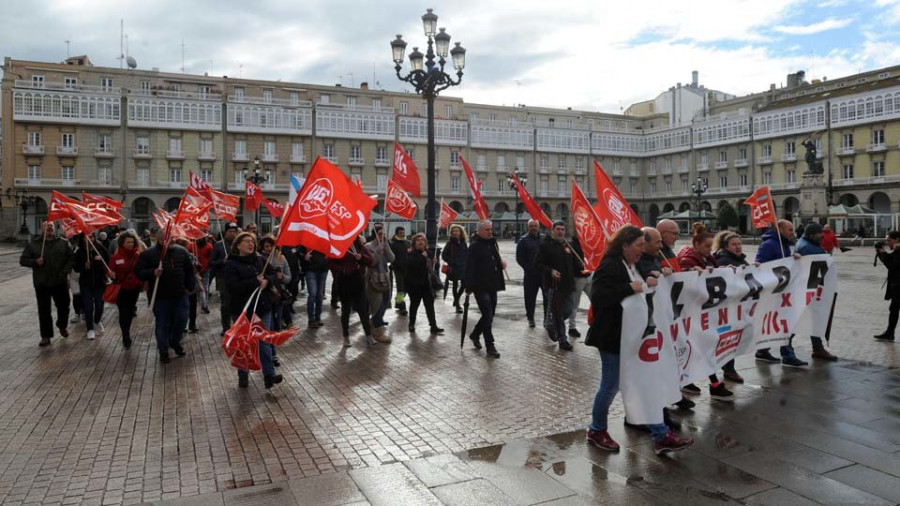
(225, 205)
(89, 220)
(329, 213)
(762, 209)
(612, 208)
(253, 196)
(201, 186)
(59, 208)
(448, 215)
(398, 202)
(531, 206)
(276, 209)
(406, 174)
(481, 208)
(106, 205)
(589, 229)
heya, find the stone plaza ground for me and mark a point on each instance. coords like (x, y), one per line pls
(420, 421)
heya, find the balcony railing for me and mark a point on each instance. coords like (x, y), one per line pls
(332, 159)
(666, 171)
(741, 162)
(29, 149)
(789, 157)
(502, 168)
(544, 169)
(617, 172)
(212, 95)
(875, 148)
(206, 156)
(170, 184)
(104, 153)
(175, 154)
(634, 173)
(683, 169)
(702, 166)
(272, 101)
(295, 158)
(20, 83)
(142, 153)
(651, 172)
(580, 171)
(721, 165)
(356, 161)
(765, 159)
(382, 162)
(845, 150)
(66, 151)
(865, 180)
(269, 158)
(240, 157)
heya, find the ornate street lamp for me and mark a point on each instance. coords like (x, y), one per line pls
(23, 202)
(428, 78)
(256, 178)
(698, 189)
(523, 179)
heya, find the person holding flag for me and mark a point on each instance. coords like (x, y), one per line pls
(91, 263)
(50, 259)
(170, 266)
(349, 271)
(558, 264)
(454, 255)
(124, 272)
(400, 246)
(217, 261)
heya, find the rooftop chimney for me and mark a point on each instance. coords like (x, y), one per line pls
(364, 85)
(695, 78)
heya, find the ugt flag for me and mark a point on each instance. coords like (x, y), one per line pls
(398, 202)
(253, 196)
(612, 208)
(405, 173)
(328, 215)
(448, 215)
(589, 229)
(762, 210)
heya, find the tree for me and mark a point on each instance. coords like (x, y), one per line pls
(728, 217)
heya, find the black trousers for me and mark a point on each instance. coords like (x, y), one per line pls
(487, 306)
(354, 301)
(532, 284)
(127, 304)
(893, 313)
(225, 303)
(459, 288)
(59, 295)
(192, 311)
(416, 297)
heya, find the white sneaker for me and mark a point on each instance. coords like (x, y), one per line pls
(91, 335)
(99, 327)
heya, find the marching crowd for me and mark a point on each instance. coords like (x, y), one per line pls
(252, 275)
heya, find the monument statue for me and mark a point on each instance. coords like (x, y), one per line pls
(814, 166)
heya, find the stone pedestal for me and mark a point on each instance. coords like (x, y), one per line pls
(813, 201)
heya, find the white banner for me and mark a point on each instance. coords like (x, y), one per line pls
(703, 320)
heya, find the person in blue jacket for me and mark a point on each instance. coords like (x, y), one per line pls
(811, 244)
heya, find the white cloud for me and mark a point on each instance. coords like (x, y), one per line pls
(822, 26)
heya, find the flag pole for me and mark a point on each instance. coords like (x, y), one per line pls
(92, 245)
(44, 234)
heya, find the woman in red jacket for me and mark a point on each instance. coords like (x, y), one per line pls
(123, 263)
(204, 252)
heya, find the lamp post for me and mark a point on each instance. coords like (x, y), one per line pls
(23, 202)
(523, 179)
(698, 189)
(256, 178)
(428, 78)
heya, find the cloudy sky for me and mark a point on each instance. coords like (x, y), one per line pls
(564, 53)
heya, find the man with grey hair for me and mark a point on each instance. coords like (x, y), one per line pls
(669, 232)
(484, 278)
(526, 252)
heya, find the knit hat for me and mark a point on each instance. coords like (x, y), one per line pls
(812, 229)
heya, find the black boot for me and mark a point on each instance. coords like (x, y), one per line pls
(476, 340)
(492, 352)
(126, 342)
(243, 382)
(885, 336)
(272, 380)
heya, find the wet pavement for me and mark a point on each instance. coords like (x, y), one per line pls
(420, 421)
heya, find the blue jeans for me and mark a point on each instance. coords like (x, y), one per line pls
(266, 352)
(378, 317)
(92, 303)
(315, 288)
(171, 319)
(609, 387)
(204, 297)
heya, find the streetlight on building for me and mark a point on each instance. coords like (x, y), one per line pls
(523, 179)
(698, 189)
(257, 178)
(428, 78)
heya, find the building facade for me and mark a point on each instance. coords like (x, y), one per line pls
(136, 134)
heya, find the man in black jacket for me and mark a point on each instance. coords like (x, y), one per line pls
(892, 262)
(557, 265)
(400, 246)
(176, 278)
(484, 277)
(217, 269)
(51, 260)
(526, 251)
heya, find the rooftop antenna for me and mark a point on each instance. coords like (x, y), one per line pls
(121, 43)
(68, 54)
(241, 70)
(182, 56)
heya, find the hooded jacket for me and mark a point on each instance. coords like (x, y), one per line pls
(771, 248)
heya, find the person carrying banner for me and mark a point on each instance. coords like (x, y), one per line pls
(400, 246)
(217, 270)
(454, 255)
(176, 279)
(811, 244)
(728, 250)
(670, 233)
(776, 244)
(315, 268)
(484, 278)
(50, 259)
(419, 273)
(891, 260)
(124, 271)
(91, 260)
(378, 282)
(349, 272)
(582, 286)
(526, 251)
(557, 264)
(616, 279)
(247, 284)
(698, 256)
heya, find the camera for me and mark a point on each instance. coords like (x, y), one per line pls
(879, 245)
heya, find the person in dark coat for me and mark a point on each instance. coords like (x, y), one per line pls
(615, 279)
(243, 273)
(484, 278)
(454, 255)
(50, 259)
(891, 260)
(729, 253)
(810, 243)
(217, 260)
(91, 260)
(418, 283)
(176, 278)
(526, 252)
(400, 246)
(349, 274)
(557, 265)
(776, 244)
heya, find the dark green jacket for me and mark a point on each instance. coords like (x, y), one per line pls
(58, 261)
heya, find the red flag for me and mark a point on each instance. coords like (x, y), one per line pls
(612, 208)
(69, 227)
(481, 208)
(398, 202)
(448, 215)
(193, 213)
(89, 220)
(260, 333)
(276, 209)
(106, 205)
(531, 206)
(253, 196)
(240, 347)
(762, 209)
(589, 229)
(328, 214)
(406, 174)
(196, 197)
(59, 208)
(201, 186)
(226, 205)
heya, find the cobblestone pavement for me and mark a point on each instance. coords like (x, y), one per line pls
(89, 422)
